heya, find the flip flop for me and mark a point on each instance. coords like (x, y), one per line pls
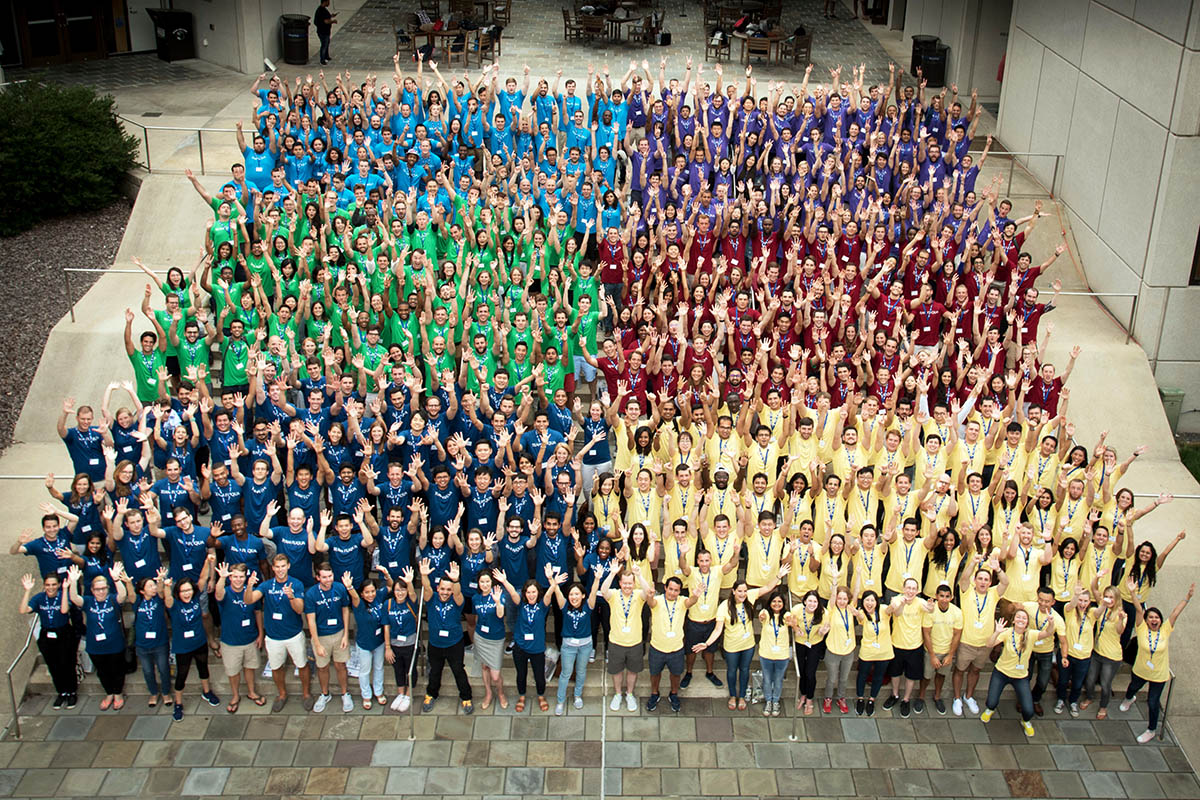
(366, 705)
(233, 706)
(152, 702)
(257, 699)
(106, 704)
(520, 704)
(542, 704)
(118, 704)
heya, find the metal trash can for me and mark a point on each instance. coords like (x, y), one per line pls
(920, 46)
(174, 34)
(933, 65)
(293, 28)
(1172, 400)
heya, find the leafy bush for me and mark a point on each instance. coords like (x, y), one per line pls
(61, 151)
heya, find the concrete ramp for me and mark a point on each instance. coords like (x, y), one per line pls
(165, 229)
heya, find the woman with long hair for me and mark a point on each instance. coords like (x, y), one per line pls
(1013, 666)
(1153, 663)
(875, 654)
(400, 633)
(577, 645)
(807, 623)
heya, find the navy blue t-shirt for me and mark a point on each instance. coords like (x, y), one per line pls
(187, 626)
(326, 607)
(238, 626)
(280, 620)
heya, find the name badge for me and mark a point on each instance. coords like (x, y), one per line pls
(151, 634)
(529, 637)
(670, 634)
(869, 582)
(186, 567)
(907, 575)
(626, 629)
(85, 529)
(189, 634)
(776, 649)
(473, 585)
(245, 623)
(393, 565)
(1027, 577)
(484, 629)
(331, 622)
(141, 562)
(875, 645)
(704, 606)
(1019, 668)
(276, 615)
(51, 634)
(979, 623)
(1149, 665)
(444, 633)
(93, 462)
(100, 637)
(1079, 645)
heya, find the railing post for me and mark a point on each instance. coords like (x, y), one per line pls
(1132, 317)
(146, 139)
(1054, 179)
(200, 140)
(67, 285)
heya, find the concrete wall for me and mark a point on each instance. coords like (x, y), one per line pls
(239, 34)
(1115, 86)
(966, 26)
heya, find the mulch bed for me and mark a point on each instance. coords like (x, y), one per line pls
(33, 298)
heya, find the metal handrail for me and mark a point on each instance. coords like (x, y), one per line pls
(198, 130)
(12, 692)
(1132, 306)
(67, 279)
(1162, 723)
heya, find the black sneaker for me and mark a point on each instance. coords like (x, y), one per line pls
(891, 701)
(652, 702)
(905, 708)
(508, 649)
(713, 679)
(687, 680)
(673, 699)
(72, 700)
(59, 701)
(860, 706)
(871, 707)
(940, 706)
(918, 706)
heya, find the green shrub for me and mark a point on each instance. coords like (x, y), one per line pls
(62, 151)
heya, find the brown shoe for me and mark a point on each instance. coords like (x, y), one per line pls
(1037, 709)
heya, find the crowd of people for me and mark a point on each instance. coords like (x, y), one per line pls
(647, 371)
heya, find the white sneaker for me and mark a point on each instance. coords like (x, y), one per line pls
(972, 706)
(579, 702)
(1074, 709)
(558, 709)
(1127, 703)
(1059, 706)
(347, 703)
(1145, 737)
(396, 703)
(320, 704)
(592, 657)
(631, 702)
(957, 706)
(615, 705)
(405, 702)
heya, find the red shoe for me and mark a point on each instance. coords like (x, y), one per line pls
(826, 706)
(843, 706)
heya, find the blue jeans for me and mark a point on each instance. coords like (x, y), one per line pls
(1042, 663)
(873, 671)
(370, 671)
(1070, 680)
(573, 660)
(1020, 686)
(155, 659)
(773, 670)
(737, 671)
(1153, 698)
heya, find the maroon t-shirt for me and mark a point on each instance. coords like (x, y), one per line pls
(927, 323)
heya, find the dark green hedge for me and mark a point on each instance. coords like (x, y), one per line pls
(62, 151)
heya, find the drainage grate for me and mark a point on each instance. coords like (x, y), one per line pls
(152, 114)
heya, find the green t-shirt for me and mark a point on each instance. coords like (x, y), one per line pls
(555, 376)
(192, 354)
(234, 355)
(165, 322)
(145, 373)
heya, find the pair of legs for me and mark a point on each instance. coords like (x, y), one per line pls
(439, 658)
(241, 661)
(1071, 679)
(808, 658)
(672, 663)
(58, 649)
(1153, 698)
(370, 674)
(1100, 674)
(737, 674)
(969, 676)
(524, 661)
(938, 671)
(574, 661)
(872, 672)
(1020, 686)
(183, 664)
(837, 675)
(278, 652)
(110, 669)
(773, 670)
(332, 647)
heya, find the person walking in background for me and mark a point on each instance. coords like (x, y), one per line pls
(324, 20)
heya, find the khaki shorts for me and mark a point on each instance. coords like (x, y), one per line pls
(973, 656)
(930, 671)
(278, 651)
(237, 657)
(331, 642)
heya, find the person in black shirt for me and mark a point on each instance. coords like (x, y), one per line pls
(324, 19)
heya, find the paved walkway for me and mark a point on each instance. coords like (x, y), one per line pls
(705, 751)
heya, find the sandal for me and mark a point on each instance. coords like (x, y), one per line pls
(152, 702)
(366, 704)
(257, 699)
(520, 704)
(1083, 704)
(741, 704)
(1102, 714)
(503, 701)
(233, 705)
(486, 704)
(732, 703)
(381, 700)
(118, 703)
(808, 707)
(106, 703)
(542, 704)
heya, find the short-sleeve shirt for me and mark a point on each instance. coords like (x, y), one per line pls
(942, 625)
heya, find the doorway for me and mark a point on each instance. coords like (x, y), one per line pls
(58, 31)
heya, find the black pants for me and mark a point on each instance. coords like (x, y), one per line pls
(600, 622)
(438, 658)
(59, 653)
(523, 660)
(402, 663)
(183, 663)
(324, 38)
(110, 669)
(808, 659)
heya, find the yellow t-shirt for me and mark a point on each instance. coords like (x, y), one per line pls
(673, 553)
(947, 573)
(975, 454)
(683, 503)
(1045, 469)
(868, 567)
(1081, 632)
(1071, 517)
(725, 501)
(666, 624)
(723, 452)
(863, 508)
(707, 590)
(808, 628)
(763, 459)
(801, 578)
(828, 582)
(646, 508)
(625, 617)
(979, 616)
(1108, 638)
(973, 508)
(906, 625)
(942, 625)
(1004, 521)
(829, 516)
(1153, 656)
(763, 553)
(723, 551)
(738, 630)
(1023, 569)
(1064, 577)
(774, 639)
(900, 506)
(1044, 623)
(1095, 560)
(840, 640)
(877, 638)
(907, 558)
(1014, 658)
(607, 509)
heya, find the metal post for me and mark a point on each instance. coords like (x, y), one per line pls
(1054, 179)
(12, 698)
(12, 693)
(1132, 317)
(1162, 721)
(793, 737)
(200, 140)
(146, 139)
(67, 284)
(412, 668)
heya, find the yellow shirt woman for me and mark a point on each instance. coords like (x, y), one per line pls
(1004, 521)
(607, 508)
(840, 640)
(1064, 576)
(1143, 585)
(738, 627)
(808, 629)
(1044, 521)
(1080, 626)
(763, 554)
(802, 511)
(1108, 634)
(774, 638)
(1014, 658)
(833, 574)
(876, 636)
(1153, 655)
(947, 573)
